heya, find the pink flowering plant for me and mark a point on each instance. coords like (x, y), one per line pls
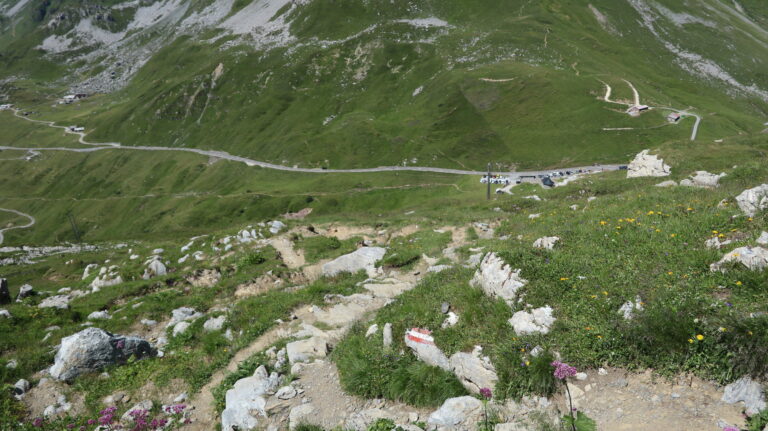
(562, 372)
(170, 418)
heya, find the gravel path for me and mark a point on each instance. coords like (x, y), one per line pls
(250, 162)
(31, 223)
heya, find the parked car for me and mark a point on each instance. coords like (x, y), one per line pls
(623, 167)
(547, 181)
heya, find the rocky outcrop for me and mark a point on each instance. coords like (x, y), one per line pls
(473, 370)
(538, 321)
(214, 324)
(763, 238)
(363, 259)
(58, 301)
(25, 291)
(754, 258)
(716, 243)
(246, 402)
(647, 165)
(93, 349)
(703, 179)
(462, 413)
(546, 243)
(748, 391)
(300, 415)
(204, 278)
(305, 350)
(423, 346)
(497, 279)
(155, 268)
(754, 200)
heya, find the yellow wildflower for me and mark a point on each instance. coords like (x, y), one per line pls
(699, 337)
(690, 340)
(738, 283)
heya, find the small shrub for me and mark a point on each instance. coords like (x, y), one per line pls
(250, 259)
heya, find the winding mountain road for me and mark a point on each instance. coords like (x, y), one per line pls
(250, 162)
(31, 223)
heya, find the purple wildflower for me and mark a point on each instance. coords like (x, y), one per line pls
(486, 393)
(121, 344)
(563, 370)
(37, 422)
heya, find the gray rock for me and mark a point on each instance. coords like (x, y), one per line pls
(387, 335)
(148, 322)
(364, 258)
(538, 321)
(372, 330)
(423, 346)
(753, 201)
(451, 320)
(668, 183)
(93, 349)
(510, 426)
(183, 314)
(647, 165)
(445, 307)
(747, 390)
(246, 401)
(763, 239)
(286, 393)
(360, 421)
(754, 258)
(473, 370)
(715, 243)
(12, 364)
(156, 268)
(301, 415)
(5, 293)
(99, 315)
(438, 268)
(21, 387)
(25, 291)
(60, 302)
(703, 179)
(180, 398)
(6, 314)
(305, 350)
(276, 226)
(214, 324)
(180, 328)
(497, 279)
(547, 242)
(460, 413)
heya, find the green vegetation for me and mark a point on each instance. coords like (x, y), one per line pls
(405, 251)
(320, 247)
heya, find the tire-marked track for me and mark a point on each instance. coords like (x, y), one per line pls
(250, 162)
(634, 92)
(31, 223)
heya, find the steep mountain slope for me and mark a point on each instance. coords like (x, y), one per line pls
(365, 83)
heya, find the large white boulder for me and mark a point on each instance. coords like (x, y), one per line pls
(305, 350)
(473, 370)
(155, 268)
(214, 324)
(93, 349)
(747, 390)
(647, 165)
(246, 402)
(703, 179)
(364, 258)
(497, 279)
(423, 346)
(754, 258)
(58, 301)
(753, 200)
(460, 413)
(547, 242)
(538, 321)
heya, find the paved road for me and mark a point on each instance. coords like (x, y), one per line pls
(31, 223)
(250, 162)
